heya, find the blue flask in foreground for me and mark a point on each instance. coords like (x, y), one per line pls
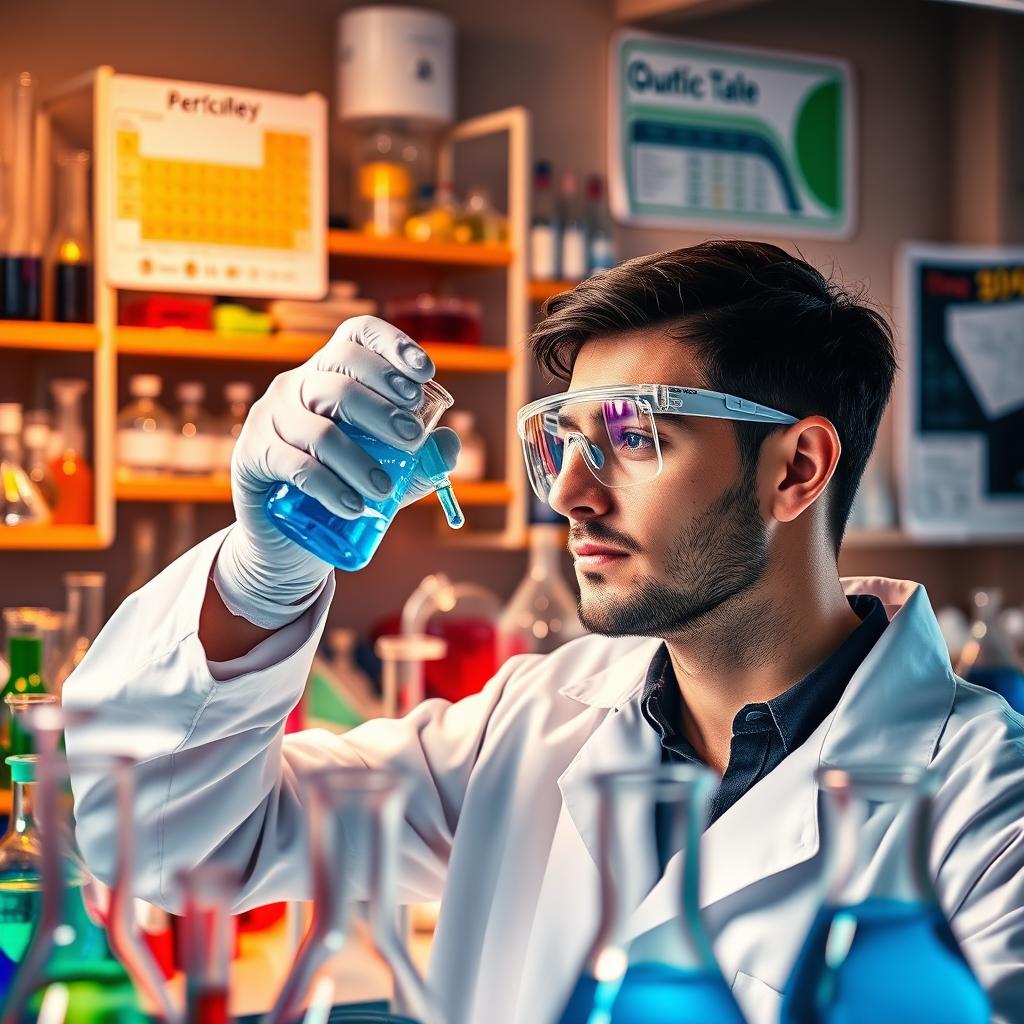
(350, 543)
(880, 950)
(668, 976)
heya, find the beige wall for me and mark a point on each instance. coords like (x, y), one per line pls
(551, 56)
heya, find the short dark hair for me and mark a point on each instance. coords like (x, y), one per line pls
(765, 325)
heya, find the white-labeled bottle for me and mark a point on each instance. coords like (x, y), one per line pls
(195, 441)
(600, 243)
(545, 242)
(238, 395)
(145, 430)
(574, 230)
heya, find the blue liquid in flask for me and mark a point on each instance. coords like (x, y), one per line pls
(654, 993)
(1007, 681)
(346, 543)
(882, 962)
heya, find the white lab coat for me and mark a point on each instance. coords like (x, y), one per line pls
(502, 819)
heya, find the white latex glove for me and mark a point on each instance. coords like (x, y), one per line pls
(367, 375)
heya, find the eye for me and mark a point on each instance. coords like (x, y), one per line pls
(635, 441)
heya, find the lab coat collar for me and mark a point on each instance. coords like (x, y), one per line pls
(893, 710)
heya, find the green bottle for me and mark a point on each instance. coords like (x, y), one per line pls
(25, 654)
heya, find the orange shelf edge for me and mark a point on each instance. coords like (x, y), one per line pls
(456, 254)
(541, 291)
(48, 336)
(50, 538)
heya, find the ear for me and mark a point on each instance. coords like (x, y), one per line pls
(801, 462)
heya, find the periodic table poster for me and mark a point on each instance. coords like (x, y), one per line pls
(215, 189)
(962, 444)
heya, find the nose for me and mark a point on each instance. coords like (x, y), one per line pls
(576, 492)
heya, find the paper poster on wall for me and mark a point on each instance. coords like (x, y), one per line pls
(215, 189)
(962, 421)
(730, 138)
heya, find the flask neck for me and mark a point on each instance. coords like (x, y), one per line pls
(22, 819)
(85, 610)
(70, 428)
(73, 243)
(10, 448)
(25, 655)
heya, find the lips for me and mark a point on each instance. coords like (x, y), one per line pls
(590, 555)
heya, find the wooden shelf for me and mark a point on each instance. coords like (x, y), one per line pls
(47, 336)
(218, 489)
(541, 291)
(355, 244)
(50, 538)
(285, 347)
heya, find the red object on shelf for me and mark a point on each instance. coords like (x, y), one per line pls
(433, 319)
(168, 311)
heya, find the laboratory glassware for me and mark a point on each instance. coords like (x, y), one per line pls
(70, 467)
(84, 619)
(350, 543)
(542, 613)
(472, 460)
(402, 659)
(988, 657)
(435, 221)
(573, 234)
(668, 975)
(600, 241)
(431, 319)
(21, 256)
(37, 437)
(195, 440)
(366, 807)
(25, 657)
(71, 252)
(880, 950)
(545, 237)
(479, 221)
(143, 555)
(145, 430)
(100, 967)
(238, 395)
(21, 501)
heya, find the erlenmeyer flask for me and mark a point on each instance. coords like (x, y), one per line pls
(668, 976)
(988, 657)
(880, 950)
(55, 898)
(358, 811)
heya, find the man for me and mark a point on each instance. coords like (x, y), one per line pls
(706, 516)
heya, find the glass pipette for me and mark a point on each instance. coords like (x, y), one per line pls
(437, 472)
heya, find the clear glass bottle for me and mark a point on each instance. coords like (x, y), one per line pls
(196, 439)
(84, 619)
(600, 240)
(573, 236)
(37, 435)
(667, 976)
(25, 657)
(988, 657)
(542, 613)
(366, 806)
(146, 431)
(545, 232)
(472, 460)
(479, 221)
(71, 246)
(69, 465)
(880, 950)
(238, 395)
(143, 555)
(21, 502)
(20, 251)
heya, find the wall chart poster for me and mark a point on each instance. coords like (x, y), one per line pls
(730, 138)
(962, 450)
(214, 188)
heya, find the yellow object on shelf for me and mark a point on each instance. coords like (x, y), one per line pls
(384, 188)
(234, 318)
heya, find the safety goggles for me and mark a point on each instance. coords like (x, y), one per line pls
(615, 429)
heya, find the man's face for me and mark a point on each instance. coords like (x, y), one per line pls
(689, 540)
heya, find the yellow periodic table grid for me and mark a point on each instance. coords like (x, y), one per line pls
(265, 207)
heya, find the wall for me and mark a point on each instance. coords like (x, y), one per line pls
(550, 55)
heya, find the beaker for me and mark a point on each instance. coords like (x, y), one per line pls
(355, 815)
(55, 895)
(350, 543)
(668, 975)
(402, 662)
(880, 950)
(988, 657)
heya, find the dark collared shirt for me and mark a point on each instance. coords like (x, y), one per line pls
(762, 734)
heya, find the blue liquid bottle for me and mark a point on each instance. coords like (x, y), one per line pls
(350, 543)
(880, 950)
(988, 658)
(670, 975)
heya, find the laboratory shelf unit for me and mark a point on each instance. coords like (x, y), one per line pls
(48, 337)
(361, 246)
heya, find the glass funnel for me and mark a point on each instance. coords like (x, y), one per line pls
(880, 950)
(358, 811)
(72, 932)
(669, 975)
(988, 657)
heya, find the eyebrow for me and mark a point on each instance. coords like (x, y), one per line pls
(567, 420)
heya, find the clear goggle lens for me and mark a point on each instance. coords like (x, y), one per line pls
(617, 439)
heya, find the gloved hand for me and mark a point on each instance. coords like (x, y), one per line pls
(367, 374)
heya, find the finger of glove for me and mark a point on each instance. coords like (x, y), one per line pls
(366, 367)
(321, 438)
(342, 399)
(310, 476)
(378, 336)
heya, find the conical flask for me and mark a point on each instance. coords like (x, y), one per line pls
(669, 975)
(880, 950)
(988, 657)
(355, 815)
(83, 960)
